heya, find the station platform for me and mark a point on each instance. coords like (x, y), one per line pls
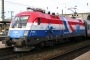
(2, 37)
(85, 56)
(2, 45)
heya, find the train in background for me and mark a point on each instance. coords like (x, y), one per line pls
(34, 29)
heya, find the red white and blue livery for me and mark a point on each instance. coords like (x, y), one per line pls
(30, 29)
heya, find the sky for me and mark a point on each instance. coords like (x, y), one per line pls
(21, 5)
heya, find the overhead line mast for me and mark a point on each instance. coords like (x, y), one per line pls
(3, 10)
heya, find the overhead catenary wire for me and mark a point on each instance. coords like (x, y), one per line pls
(46, 7)
(29, 5)
(67, 6)
(16, 3)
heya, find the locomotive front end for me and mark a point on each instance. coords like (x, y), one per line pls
(18, 33)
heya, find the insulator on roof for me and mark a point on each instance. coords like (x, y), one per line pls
(53, 13)
(43, 11)
(28, 8)
(48, 12)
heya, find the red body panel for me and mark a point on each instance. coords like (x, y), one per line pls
(47, 17)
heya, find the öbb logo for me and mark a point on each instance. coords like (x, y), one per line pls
(15, 32)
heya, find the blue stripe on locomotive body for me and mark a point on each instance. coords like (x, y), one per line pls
(78, 32)
(16, 33)
(65, 24)
(43, 33)
(20, 33)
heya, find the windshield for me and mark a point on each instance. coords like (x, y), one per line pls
(19, 22)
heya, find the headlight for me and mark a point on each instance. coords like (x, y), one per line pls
(25, 33)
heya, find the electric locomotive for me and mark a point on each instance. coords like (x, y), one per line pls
(30, 29)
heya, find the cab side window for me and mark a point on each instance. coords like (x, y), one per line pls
(37, 21)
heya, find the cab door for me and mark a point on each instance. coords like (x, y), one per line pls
(88, 29)
(35, 28)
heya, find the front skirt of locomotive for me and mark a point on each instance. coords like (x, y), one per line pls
(23, 48)
(14, 42)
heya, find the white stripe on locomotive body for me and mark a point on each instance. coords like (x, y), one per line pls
(29, 24)
(43, 26)
(56, 26)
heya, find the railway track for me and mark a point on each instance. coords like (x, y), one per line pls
(56, 51)
(70, 55)
(5, 52)
(9, 54)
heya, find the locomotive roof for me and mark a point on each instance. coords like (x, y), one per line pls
(48, 16)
